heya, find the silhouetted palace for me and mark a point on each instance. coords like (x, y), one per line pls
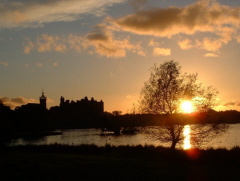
(84, 113)
(83, 106)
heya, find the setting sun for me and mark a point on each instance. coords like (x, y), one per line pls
(187, 107)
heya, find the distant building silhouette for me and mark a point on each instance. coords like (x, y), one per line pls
(83, 106)
(42, 105)
(74, 108)
(43, 101)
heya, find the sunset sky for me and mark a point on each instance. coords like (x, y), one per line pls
(105, 48)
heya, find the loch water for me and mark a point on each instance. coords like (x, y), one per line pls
(226, 140)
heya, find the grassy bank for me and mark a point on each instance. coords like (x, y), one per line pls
(89, 162)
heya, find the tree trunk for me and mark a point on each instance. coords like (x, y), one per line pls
(173, 146)
(173, 137)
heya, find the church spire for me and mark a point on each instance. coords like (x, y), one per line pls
(42, 92)
(43, 101)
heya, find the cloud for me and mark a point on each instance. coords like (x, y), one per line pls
(98, 36)
(206, 16)
(141, 53)
(200, 16)
(28, 47)
(205, 44)
(161, 51)
(37, 12)
(211, 55)
(4, 63)
(75, 42)
(226, 33)
(185, 44)
(104, 43)
(238, 38)
(112, 47)
(18, 101)
(49, 43)
(153, 43)
(101, 40)
(49, 100)
(209, 45)
(229, 104)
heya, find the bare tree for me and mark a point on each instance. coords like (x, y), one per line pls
(117, 113)
(163, 94)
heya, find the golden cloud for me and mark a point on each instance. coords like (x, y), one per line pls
(53, 43)
(185, 44)
(202, 16)
(37, 12)
(110, 47)
(28, 47)
(75, 42)
(211, 55)
(18, 101)
(141, 53)
(210, 45)
(49, 43)
(105, 44)
(161, 51)
(238, 39)
(102, 40)
(153, 43)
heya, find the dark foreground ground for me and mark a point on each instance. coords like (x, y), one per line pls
(89, 162)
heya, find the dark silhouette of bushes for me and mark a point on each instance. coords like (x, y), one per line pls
(90, 162)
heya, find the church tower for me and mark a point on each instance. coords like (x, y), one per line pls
(43, 101)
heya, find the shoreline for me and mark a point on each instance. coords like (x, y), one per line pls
(17, 135)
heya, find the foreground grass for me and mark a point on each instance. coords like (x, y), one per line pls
(89, 162)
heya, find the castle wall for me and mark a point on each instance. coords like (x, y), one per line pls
(83, 106)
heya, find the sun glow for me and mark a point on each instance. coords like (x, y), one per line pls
(186, 134)
(187, 107)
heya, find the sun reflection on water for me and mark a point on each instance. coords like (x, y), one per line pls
(186, 134)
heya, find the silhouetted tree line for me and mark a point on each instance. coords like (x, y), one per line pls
(41, 120)
(71, 118)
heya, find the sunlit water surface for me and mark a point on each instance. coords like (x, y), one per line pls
(93, 136)
(187, 138)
